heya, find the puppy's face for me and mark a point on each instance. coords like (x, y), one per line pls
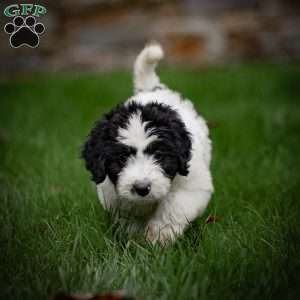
(141, 149)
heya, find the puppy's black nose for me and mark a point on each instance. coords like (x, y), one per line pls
(142, 188)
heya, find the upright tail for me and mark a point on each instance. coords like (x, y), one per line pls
(145, 78)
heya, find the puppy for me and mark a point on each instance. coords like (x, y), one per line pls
(150, 157)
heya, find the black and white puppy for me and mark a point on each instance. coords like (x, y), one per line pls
(150, 156)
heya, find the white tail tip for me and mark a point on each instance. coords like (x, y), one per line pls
(154, 53)
(145, 77)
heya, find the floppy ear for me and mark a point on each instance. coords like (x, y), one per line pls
(184, 145)
(183, 168)
(184, 155)
(93, 151)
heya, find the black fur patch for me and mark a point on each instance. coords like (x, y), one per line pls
(173, 148)
(104, 155)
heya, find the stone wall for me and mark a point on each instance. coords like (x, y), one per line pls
(103, 34)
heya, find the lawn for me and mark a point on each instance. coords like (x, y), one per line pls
(56, 237)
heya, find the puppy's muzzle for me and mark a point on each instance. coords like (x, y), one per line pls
(142, 188)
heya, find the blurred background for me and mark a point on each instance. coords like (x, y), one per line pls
(238, 60)
(98, 35)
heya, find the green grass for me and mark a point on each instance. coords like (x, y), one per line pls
(55, 235)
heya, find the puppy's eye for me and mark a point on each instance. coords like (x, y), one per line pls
(132, 151)
(123, 158)
(159, 155)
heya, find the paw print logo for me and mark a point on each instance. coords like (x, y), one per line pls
(24, 31)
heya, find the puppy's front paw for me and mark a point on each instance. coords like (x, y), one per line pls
(162, 234)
